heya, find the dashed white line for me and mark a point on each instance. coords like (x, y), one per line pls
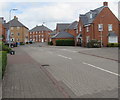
(101, 69)
(65, 57)
(68, 50)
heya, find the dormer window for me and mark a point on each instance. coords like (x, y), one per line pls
(80, 28)
(87, 29)
(91, 16)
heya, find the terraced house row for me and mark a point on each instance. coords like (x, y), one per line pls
(98, 24)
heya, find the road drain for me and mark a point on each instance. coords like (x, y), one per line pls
(45, 65)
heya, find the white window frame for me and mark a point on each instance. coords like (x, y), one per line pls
(110, 27)
(113, 39)
(80, 28)
(100, 27)
(87, 29)
(77, 31)
(12, 39)
(18, 28)
(91, 16)
(12, 33)
(12, 28)
(87, 39)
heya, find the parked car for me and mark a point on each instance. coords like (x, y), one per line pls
(12, 44)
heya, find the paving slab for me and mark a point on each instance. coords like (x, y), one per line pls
(25, 79)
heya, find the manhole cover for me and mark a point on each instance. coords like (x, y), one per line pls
(45, 65)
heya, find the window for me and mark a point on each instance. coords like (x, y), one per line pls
(113, 39)
(77, 31)
(12, 33)
(87, 39)
(91, 16)
(80, 29)
(100, 27)
(109, 27)
(12, 39)
(11, 28)
(87, 29)
(18, 40)
(18, 28)
(18, 34)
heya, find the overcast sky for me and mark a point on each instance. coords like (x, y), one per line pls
(35, 12)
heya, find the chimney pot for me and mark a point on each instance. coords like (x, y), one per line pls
(15, 17)
(105, 3)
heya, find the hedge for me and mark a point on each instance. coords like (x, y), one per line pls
(50, 43)
(113, 44)
(5, 48)
(65, 42)
(3, 62)
(93, 44)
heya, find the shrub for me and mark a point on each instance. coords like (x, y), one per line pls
(21, 43)
(50, 43)
(113, 44)
(65, 42)
(5, 48)
(3, 62)
(93, 44)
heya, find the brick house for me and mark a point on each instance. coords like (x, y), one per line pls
(65, 31)
(62, 36)
(61, 27)
(18, 31)
(100, 24)
(39, 34)
(73, 28)
(2, 30)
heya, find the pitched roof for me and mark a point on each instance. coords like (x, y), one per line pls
(62, 26)
(14, 23)
(53, 33)
(40, 28)
(112, 34)
(63, 34)
(73, 25)
(86, 17)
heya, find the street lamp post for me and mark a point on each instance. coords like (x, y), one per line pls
(101, 34)
(9, 24)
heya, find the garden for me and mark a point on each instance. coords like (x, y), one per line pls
(4, 49)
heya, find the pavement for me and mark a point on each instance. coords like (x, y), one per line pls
(24, 78)
(69, 72)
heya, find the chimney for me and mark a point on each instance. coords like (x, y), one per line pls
(105, 4)
(15, 17)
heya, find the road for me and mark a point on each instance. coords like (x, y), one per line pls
(79, 75)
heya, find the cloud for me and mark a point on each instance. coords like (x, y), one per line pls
(35, 13)
(59, 0)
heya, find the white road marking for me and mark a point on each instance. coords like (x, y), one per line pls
(65, 57)
(101, 69)
(68, 50)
